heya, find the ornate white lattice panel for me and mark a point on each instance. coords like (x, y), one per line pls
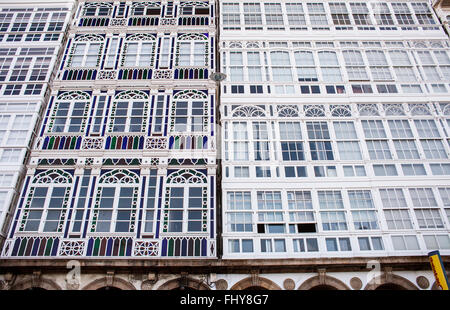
(146, 248)
(92, 144)
(72, 248)
(156, 143)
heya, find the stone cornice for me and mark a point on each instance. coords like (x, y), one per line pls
(201, 266)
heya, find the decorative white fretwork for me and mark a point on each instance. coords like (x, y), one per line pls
(92, 144)
(72, 248)
(146, 248)
(187, 176)
(340, 110)
(162, 74)
(131, 94)
(368, 110)
(190, 94)
(53, 176)
(168, 22)
(287, 110)
(119, 176)
(118, 22)
(316, 110)
(74, 95)
(141, 37)
(155, 143)
(248, 111)
(419, 109)
(107, 75)
(393, 109)
(89, 38)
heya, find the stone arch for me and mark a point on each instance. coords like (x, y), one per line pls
(435, 287)
(254, 282)
(40, 284)
(189, 283)
(105, 282)
(324, 282)
(390, 281)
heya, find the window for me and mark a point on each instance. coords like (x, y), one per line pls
(252, 14)
(240, 246)
(413, 169)
(333, 220)
(320, 150)
(85, 54)
(399, 58)
(115, 209)
(405, 74)
(305, 245)
(281, 67)
(330, 200)
(385, 170)
(263, 172)
(406, 149)
(239, 222)
(46, 209)
(398, 219)
(236, 67)
(387, 89)
(429, 218)
(128, 116)
(378, 149)
(400, 129)
(364, 218)
(338, 244)
(354, 171)
(273, 15)
(405, 243)
(440, 169)
(349, 150)
(295, 14)
(185, 210)
(254, 67)
(338, 15)
(138, 51)
(261, 141)
(96, 9)
(325, 171)
(295, 172)
(69, 115)
(240, 141)
(241, 172)
(239, 201)
(393, 198)
(230, 15)
(40, 69)
(345, 130)
(192, 53)
(370, 243)
(188, 116)
(11, 156)
(427, 128)
(434, 242)
(98, 115)
(291, 144)
(149, 217)
(275, 245)
(306, 70)
(362, 89)
(433, 149)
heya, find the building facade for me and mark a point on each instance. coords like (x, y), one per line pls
(442, 9)
(329, 168)
(30, 39)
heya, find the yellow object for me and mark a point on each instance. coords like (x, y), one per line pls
(438, 269)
